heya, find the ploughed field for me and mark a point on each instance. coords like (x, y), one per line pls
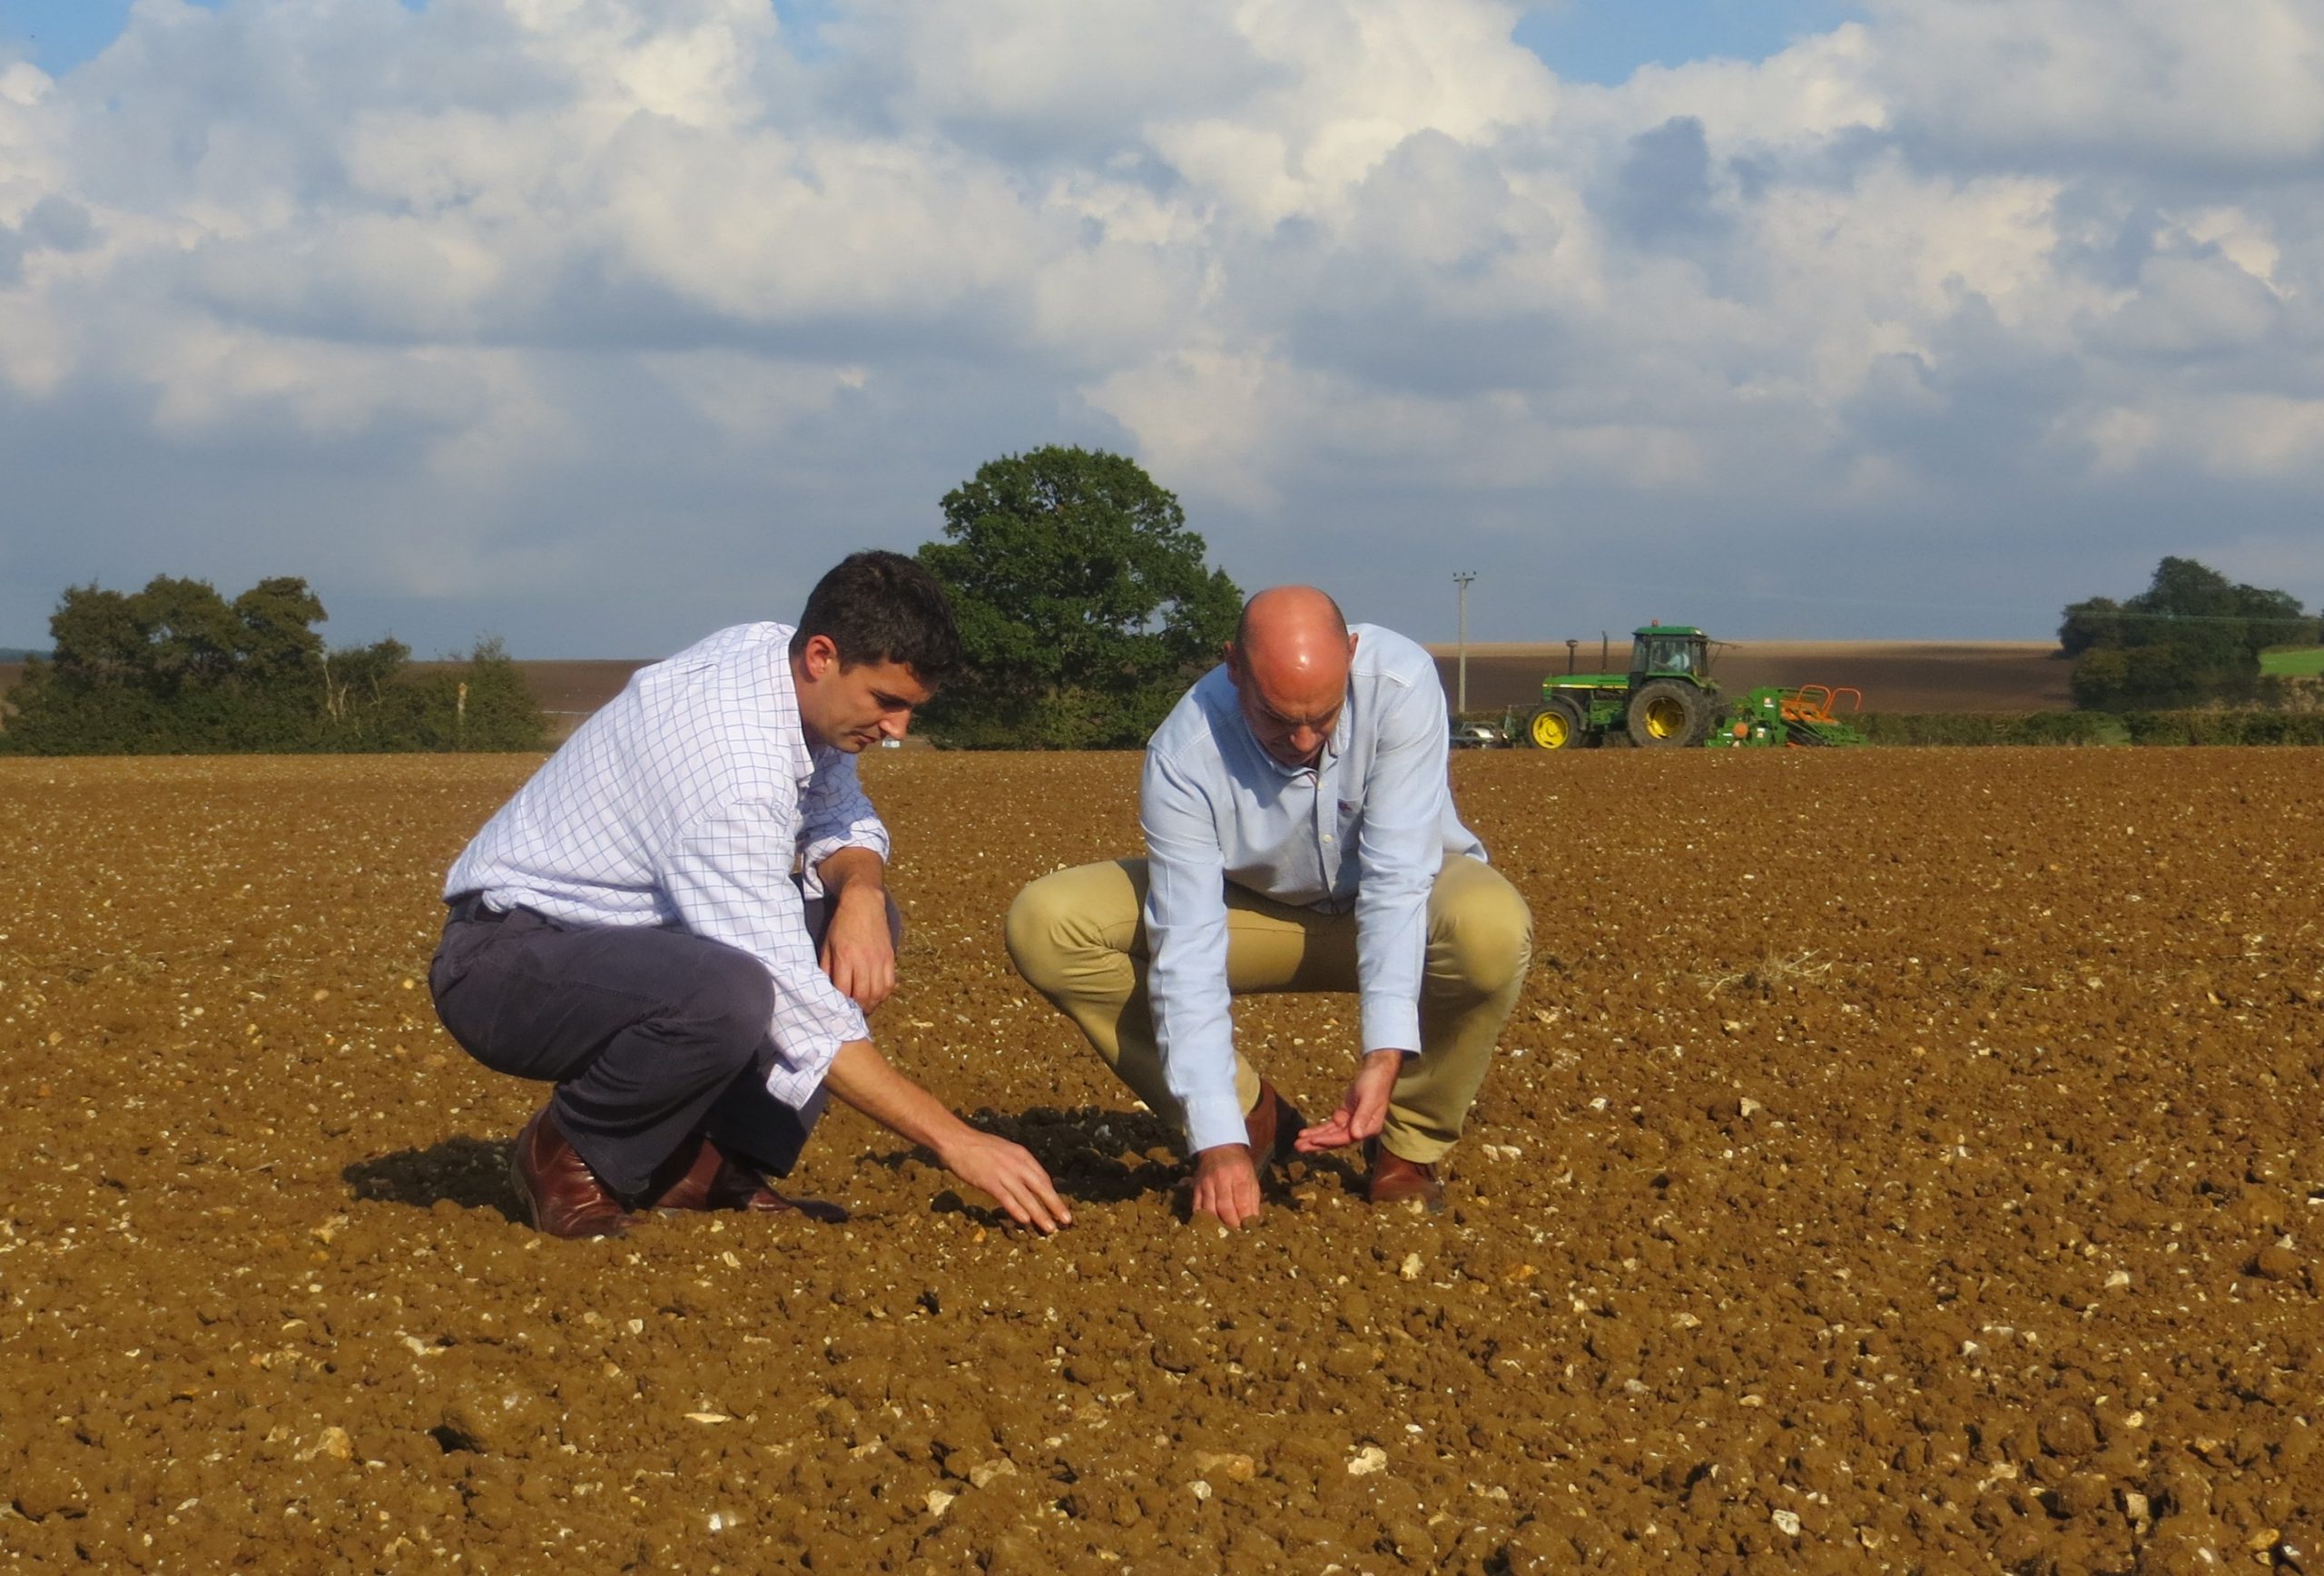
(1899, 1161)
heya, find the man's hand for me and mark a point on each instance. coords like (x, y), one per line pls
(1009, 1172)
(859, 953)
(1364, 1109)
(1227, 1185)
(863, 1079)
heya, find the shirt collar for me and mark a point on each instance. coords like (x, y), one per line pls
(790, 726)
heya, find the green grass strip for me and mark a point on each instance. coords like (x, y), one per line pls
(2293, 661)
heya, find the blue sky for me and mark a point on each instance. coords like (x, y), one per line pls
(1604, 41)
(58, 35)
(1598, 40)
(597, 327)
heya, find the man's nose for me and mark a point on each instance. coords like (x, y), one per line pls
(894, 724)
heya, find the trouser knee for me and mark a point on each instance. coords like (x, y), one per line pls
(1486, 943)
(1039, 933)
(726, 1016)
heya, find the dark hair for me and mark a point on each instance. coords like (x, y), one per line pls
(879, 606)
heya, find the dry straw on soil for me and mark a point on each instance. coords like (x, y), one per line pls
(1899, 1161)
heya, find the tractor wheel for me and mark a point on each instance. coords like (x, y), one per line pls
(1666, 713)
(1557, 725)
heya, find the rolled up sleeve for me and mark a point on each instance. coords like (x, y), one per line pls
(1186, 926)
(835, 814)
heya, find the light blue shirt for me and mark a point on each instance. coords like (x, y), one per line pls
(1366, 828)
(688, 801)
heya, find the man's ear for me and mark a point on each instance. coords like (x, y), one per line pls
(1227, 655)
(820, 657)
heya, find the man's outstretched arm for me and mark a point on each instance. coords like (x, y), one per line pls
(866, 1081)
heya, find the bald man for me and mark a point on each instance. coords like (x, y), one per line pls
(1300, 835)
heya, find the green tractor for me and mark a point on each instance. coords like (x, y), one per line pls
(1668, 700)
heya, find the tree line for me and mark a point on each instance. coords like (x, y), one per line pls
(1083, 599)
(1084, 602)
(2191, 638)
(178, 668)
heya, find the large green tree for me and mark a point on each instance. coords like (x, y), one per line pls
(2193, 637)
(1083, 599)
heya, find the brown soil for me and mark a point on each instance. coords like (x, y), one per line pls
(1894, 675)
(1899, 1161)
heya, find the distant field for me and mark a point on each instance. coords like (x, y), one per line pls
(2307, 663)
(568, 691)
(1894, 675)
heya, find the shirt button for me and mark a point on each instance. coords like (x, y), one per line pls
(1327, 837)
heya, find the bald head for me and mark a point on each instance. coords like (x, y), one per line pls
(1289, 664)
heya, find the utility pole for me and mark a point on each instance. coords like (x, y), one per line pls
(1461, 580)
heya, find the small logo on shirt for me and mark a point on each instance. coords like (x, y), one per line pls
(1349, 807)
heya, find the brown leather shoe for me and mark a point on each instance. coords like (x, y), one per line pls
(1271, 1126)
(558, 1192)
(1396, 1180)
(710, 1177)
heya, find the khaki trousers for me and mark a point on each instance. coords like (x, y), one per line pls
(1078, 937)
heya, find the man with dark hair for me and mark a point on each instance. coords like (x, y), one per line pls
(884, 607)
(682, 919)
(1300, 835)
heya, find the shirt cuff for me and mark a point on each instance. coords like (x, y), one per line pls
(794, 1088)
(802, 1064)
(1216, 1119)
(810, 881)
(1391, 1023)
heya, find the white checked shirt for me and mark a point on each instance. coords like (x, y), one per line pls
(688, 802)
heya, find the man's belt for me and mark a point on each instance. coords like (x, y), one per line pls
(470, 906)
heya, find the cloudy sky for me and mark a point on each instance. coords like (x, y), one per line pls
(599, 324)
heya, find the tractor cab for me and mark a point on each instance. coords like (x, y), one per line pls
(1670, 651)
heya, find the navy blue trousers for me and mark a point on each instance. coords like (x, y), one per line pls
(650, 1035)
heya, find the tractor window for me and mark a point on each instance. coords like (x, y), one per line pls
(1665, 656)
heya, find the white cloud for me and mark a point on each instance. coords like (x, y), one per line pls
(548, 275)
(2122, 80)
